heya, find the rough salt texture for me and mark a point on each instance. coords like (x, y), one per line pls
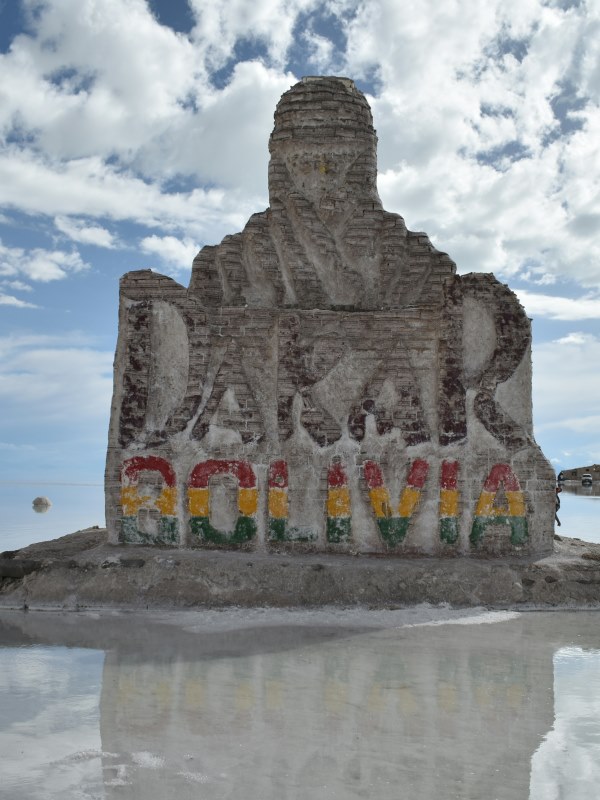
(83, 571)
(327, 381)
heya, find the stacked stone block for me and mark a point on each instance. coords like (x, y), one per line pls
(327, 381)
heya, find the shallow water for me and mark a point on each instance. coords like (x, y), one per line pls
(580, 512)
(281, 704)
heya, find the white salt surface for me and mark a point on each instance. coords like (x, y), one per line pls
(147, 760)
(481, 618)
(353, 617)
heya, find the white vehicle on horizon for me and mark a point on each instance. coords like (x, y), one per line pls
(586, 479)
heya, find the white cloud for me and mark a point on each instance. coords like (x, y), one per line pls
(177, 253)
(90, 187)
(566, 383)
(94, 75)
(39, 264)
(576, 424)
(151, 107)
(78, 231)
(538, 276)
(516, 221)
(471, 149)
(320, 50)
(577, 338)
(468, 92)
(18, 286)
(559, 308)
(10, 300)
(269, 22)
(226, 141)
(73, 339)
(52, 384)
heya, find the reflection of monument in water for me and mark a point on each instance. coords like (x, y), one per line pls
(576, 487)
(443, 711)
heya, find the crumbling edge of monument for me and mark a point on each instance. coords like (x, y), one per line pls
(82, 571)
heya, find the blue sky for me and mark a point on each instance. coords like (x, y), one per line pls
(133, 132)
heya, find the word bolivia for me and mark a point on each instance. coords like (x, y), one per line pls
(392, 522)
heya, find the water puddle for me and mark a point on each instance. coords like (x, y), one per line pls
(320, 705)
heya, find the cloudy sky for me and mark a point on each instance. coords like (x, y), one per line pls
(135, 131)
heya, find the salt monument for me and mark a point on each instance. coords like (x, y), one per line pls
(327, 382)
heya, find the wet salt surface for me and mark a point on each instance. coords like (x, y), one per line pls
(335, 703)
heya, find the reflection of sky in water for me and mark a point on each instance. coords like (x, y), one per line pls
(268, 711)
(76, 507)
(49, 722)
(579, 515)
(567, 763)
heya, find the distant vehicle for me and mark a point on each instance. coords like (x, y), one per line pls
(586, 479)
